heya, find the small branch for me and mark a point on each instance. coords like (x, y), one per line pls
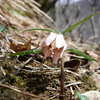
(3, 71)
(53, 97)
(73, 84)
(71, 89)
(23, 65)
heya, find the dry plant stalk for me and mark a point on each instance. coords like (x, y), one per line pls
(62, 79)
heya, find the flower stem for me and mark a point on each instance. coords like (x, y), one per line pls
(62, 80)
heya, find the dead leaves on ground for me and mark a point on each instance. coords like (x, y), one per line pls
(20, 47)
(76, 62)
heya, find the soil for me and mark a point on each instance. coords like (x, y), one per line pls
(40, 78)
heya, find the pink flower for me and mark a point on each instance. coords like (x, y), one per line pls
(54, 45)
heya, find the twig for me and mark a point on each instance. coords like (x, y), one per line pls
(73, 73)
(22, 66)
(19, 91)
(42, 64)
(86, 64)
(37, 68)
(32, 71)
(78, 87)
(36, 3)
(53, 97)
(71, 89)
(4, 80)
(75, 56)
(54, 72)
(73, 84)
(2, 70)
(51, 89)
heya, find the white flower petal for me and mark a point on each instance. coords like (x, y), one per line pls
(60, 42)
(65, 47)
(50, 38)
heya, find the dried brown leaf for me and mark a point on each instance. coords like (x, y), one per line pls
(20, 47)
